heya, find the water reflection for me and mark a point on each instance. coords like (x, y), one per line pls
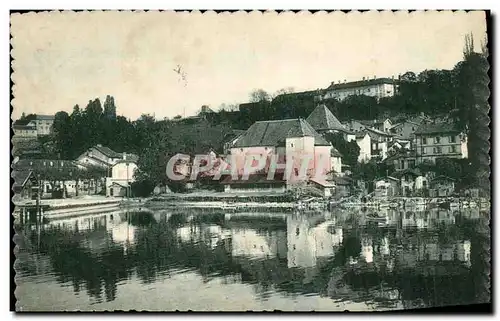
(391, 259)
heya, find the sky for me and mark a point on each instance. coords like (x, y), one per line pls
(167, 63)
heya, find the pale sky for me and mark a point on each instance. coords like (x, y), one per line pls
(63, 59)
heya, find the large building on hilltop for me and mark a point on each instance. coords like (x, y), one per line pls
(376, 87)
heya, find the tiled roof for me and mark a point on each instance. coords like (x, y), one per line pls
(322, 119)
(362, 83)
(274, 132)
(437, 128)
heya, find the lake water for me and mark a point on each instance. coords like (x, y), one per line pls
(208, 260)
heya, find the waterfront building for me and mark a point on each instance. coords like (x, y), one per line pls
(442, 186)
(440, 140)
(387, 186)
(122, 176)
(375, 87)
(104, 157)
(402, 159)
(288, 143)
(56, 174)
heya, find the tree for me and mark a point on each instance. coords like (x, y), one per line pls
(284, 91)
(349, 150)
(62, 132)
(259, 95)
(473, 110)
(109, 107)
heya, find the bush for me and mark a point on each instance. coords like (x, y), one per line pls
(142, 188)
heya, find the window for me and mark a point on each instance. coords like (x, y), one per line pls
(413, 128)
(44, 164)
(424, 141)
(437, 140)
(422, 150)
(453, 149)
(437, 150)
(51, 163)
(452, 139)
(411, 163)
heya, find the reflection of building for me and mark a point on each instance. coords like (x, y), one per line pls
(367, 249)
(306, 242)
(253, 244)
(123, 232)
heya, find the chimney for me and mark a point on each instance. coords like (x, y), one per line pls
(339, 81)
(374, 76)
(333, 83)
(345, 80)
(363, 78)
(124, 155)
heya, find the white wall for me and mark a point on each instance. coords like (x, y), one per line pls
(365, 151)
(123, 172)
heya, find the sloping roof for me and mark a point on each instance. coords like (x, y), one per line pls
(335, 153)
(378, 132)
(44, 163)
(322, 118)
(107, 151)
(20, 177)
(274, 132)
(45, 117)
(410, 171)
(341, 180)
(442, 178)
(22, 122)
(129, 159)
(437, 128)
(374, 122)
(362, 83)
(360, 135)
(25, 127)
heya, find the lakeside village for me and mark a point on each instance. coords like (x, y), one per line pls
(407, 160)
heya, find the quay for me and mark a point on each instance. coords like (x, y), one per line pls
(24, 210)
